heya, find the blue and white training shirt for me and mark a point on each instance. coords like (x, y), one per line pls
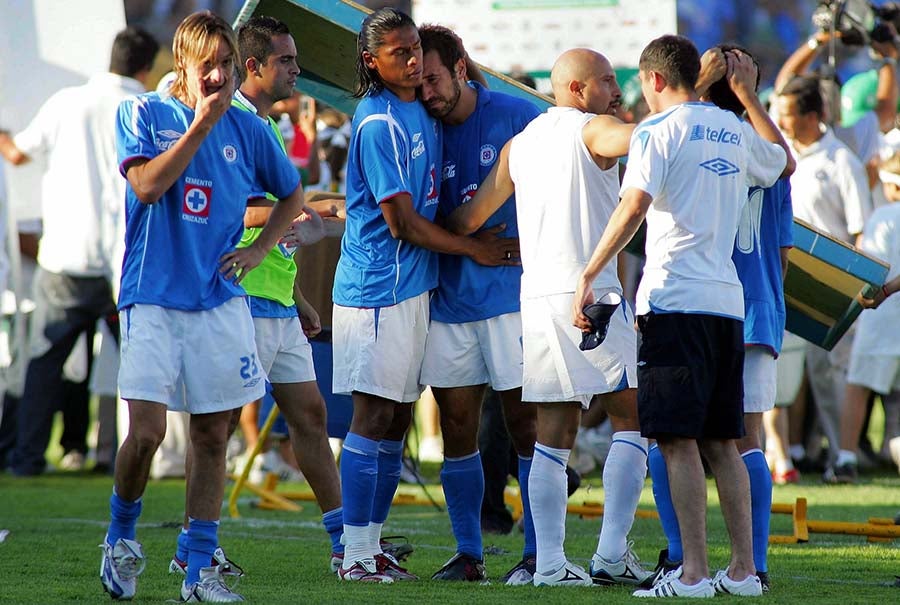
(466, 290)
(395, 148)
(766, 226)
(173, 246)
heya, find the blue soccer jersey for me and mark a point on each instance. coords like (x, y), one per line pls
(395, 148)
(466, 290)
(173, 246)
(766, 226)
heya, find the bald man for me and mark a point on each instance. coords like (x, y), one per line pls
(563, 169)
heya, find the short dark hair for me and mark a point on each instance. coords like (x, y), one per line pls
(255, 37)
(370, 38)
(805, 89)
(720, 92)
(447, 44)
(133, 51)
(675, 58)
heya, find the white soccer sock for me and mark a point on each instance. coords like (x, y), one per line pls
(375, 537)
(623, 480)
(547, 493)
(356, 544)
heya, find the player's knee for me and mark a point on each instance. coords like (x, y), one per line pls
(309, 419)
(146, 439)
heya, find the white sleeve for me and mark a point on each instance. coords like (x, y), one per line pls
(36, 139)
(766, 160)
(647, 162)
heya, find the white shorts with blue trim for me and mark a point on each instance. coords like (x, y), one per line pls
(556, 370)
(488, 351)
(379, 351)
(192, 361)
(284, 351)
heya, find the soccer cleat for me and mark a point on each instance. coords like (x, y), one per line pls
(462, 568)
(567, 575)
(337, 558)
(210, 589)
(763, 580)
(392, 545)
(120, 566)
(663, 566)
(364, 570)
(388, 565)
(626, 570)
(522, 574)
(227, 567)
(671, 586)
(789, 476)
(843, 474)
(748, 587)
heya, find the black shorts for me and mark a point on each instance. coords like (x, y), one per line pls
(691, 376)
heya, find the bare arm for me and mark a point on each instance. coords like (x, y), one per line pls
(408, 225)
(10, 151)
(742, 80)
(783, 252)
(473, 72)
(607, 138)
(238, 262)
(150, 179)
(623, 224)
(713, 67)
(491, 194)
(307, 125)
(886, 94)
(309, 317)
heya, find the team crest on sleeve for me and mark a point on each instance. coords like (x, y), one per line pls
(229, 152)
(196, 201)
(487, 155)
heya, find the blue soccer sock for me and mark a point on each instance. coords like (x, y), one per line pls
(333, 521)
(530, 548)
(463, 481)
(390, 460)
(123, 518)
(202, 540)
(760, 504)
(181, 550)
(359, 477)
(664, 505)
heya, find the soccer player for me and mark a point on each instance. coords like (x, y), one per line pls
(764, 237)
(689, 168)
(191, 161)
(475, 333)
(280, 313)
(383, 278)
(563, 168)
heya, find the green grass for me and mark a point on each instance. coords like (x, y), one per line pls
(56, 521)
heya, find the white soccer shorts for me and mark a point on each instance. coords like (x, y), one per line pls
(379, 351)
(193, 361)
(284, 351)
(488, 351)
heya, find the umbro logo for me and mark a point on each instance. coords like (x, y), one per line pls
(720, 167)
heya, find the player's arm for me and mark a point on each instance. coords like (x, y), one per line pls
(607, 137)
(800, 60)
(151, 178)
(329, 206)
(623, 224)
(491, 194)
(713, 67)
(887, 92)
(10, 151)
(309, 317)
(237, 263)
(742, 75)
(408, 225)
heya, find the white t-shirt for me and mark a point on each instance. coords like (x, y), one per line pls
(563, 203)
(863, 138)
(881, 239)
(83, 197)
(830, 189)
(697, 162)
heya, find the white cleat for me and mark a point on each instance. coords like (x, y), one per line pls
(671, 586)
(210, 589)
(567, 575)
(626, 570)
(749, 587)
(120, 566)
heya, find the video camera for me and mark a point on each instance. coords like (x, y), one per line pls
(858, 21)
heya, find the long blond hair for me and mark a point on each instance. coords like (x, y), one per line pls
(197, 39)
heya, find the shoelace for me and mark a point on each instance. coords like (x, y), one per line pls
(129, 565)
(631, 558)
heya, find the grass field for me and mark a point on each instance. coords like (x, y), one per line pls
(57, 521)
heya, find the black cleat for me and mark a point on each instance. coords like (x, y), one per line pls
(663, 566)
(462, 568)
(763, 579)
(397, 547)
(522, 574)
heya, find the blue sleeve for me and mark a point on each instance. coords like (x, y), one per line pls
(275, 173)
(382, 148)
(134, 136)
(786, 220)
